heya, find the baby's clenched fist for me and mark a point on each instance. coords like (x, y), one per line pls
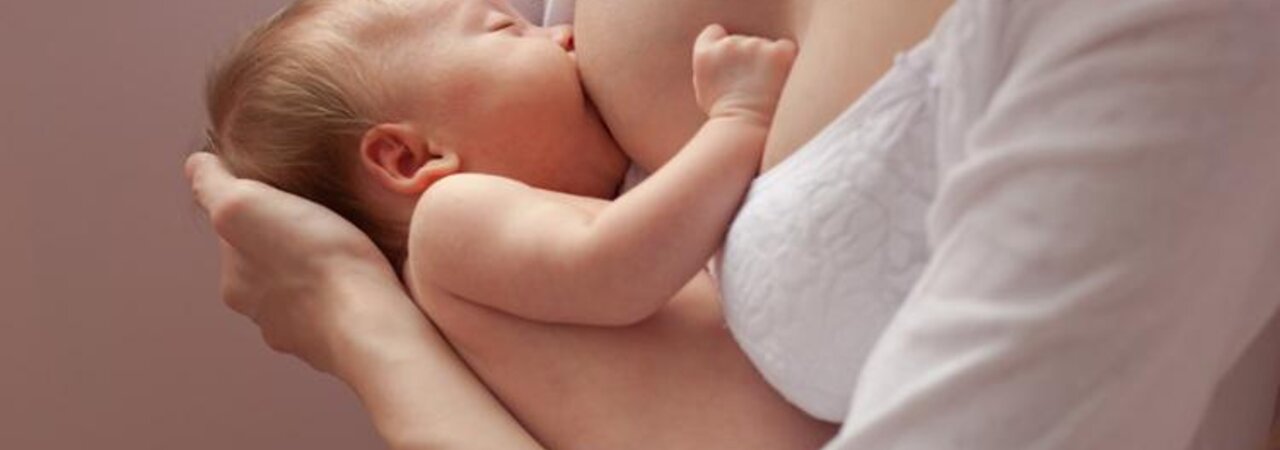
(739, 76)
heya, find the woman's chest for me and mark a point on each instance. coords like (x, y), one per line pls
(847, 47)
(634, 57)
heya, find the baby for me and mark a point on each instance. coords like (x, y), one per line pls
(457, 135)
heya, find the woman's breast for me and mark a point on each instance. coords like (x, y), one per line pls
(635, 60)
(846, 46)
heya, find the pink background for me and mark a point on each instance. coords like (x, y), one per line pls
(111, 333)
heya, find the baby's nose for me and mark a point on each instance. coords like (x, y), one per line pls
(562, 35)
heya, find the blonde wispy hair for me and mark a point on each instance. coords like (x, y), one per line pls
(290, 102)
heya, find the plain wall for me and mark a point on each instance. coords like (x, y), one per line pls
(112, 335)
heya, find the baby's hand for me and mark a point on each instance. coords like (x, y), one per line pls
(739, 75)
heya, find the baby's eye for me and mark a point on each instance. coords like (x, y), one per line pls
(503, 24)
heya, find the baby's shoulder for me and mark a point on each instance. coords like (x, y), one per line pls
(454, 210)
(464, 193)
(465, 207)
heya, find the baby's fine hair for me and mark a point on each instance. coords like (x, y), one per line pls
(290, 102)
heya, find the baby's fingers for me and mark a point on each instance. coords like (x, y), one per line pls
(784, 48)
(710, 35)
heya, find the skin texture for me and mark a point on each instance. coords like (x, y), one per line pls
(317, 288)
(674, 381)
(614, 69)
(574, 259)
(636, 70)
(505, 296)
(320, 290)
(565, 264)
(506, 97)
(480, 90)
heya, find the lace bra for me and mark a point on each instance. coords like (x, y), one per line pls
(829, 242)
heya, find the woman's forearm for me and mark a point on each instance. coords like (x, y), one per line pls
(419, 393)
(321, 291)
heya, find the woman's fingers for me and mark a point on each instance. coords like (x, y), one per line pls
(210, 181)
(234, 294)
(277, 252)
(223, 197)
(246, 213)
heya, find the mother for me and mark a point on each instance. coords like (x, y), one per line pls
(1077, 185)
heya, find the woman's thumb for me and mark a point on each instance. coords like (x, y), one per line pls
(209, 179)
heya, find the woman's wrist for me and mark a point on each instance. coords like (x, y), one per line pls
(369, 317)
(418, 392)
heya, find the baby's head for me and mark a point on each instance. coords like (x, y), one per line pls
(361, 104)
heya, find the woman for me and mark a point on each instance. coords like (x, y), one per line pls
(1102, 173)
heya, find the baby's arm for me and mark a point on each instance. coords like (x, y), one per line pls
(534, 254)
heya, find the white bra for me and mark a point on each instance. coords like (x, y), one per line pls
(829, 242)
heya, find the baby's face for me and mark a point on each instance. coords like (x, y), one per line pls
(503, 92)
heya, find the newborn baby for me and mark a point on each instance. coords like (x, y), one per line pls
(457, 135)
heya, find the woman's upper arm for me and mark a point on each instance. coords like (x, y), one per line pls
(1106, 236)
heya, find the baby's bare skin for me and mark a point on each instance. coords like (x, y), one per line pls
(713, 397)
(635, 63)
(525, 251)
(675, 381)
(664, 361)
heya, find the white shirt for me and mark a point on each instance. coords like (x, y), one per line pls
(1105, 265)
(545, 12)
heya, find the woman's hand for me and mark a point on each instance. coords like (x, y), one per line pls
(320, 290)
(287, 261)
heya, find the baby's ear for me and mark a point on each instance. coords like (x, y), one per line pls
(398, 158)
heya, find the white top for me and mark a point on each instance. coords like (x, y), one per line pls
(545, 12)
(558, 12)
(532, 10)
(1104, 244)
